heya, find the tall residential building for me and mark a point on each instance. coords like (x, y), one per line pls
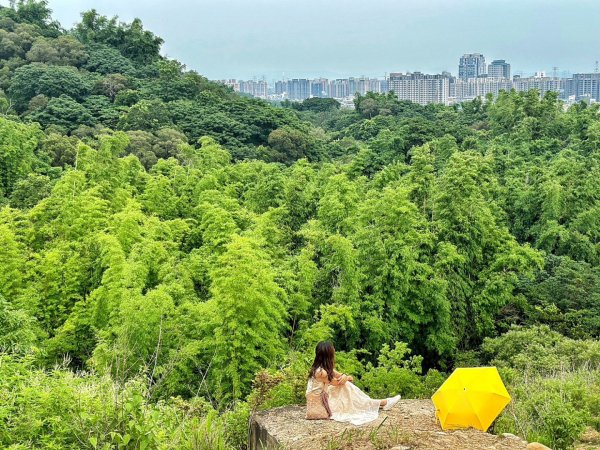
(362, 85)
(583, 86)
(383, 86)
(463, 90)
(319, 87)
(420, 88)
(298, 89)
(258, 89)
(499, 68)
(471, 65)
(540, 82)
(339, 88)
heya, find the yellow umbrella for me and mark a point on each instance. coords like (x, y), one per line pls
(470, 397)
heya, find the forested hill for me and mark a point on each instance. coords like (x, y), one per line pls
(107, 74)
(170, 252)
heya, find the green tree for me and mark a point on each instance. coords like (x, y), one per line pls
(404, 297)
(63, 112)
(18, 143)
(247, 318)
(288, 145)
(107, 60)
(147, 115)
(12, 263)
(62, 51)
(51, 81)
(338, 203)
(17, 333)
(492, 261)
(130, 39)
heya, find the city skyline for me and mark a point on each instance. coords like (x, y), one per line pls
(232, 39)
(475, 78)
(469, 65)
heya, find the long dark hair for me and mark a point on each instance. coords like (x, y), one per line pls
(324, 358)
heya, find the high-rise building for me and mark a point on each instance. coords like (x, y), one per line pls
(499, 68)
(583, 86)
(281, 87)
(338, 88)
(373, 85)
(420, 88)
(383, 86)
(352, 86)
(539, 82)
(471, 65)
(298, 89)
(319, 87)
(258, 89)
(463, 90)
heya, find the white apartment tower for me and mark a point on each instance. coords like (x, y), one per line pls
(499, 68)
(420, 88)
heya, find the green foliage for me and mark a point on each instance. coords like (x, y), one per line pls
(246, 316)
(51, 81)
(135, 43)
(551, 410)
(314, 104)
(554, 382)
(212, 242)
(16, 329)
(147, 115)
(29, 191)
(566, 295)
(62, 51)
(395, 245)
(398, 373)
(541, 350)
(106, 60)
(288, 145)
(59, 409)
(17, 152)
(64, 113)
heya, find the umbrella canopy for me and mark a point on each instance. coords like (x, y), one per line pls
(470, 397)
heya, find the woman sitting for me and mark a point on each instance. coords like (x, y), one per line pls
(332, 395)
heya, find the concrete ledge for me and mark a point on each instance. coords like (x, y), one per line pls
(409, 425)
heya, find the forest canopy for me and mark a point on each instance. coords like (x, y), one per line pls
(181, 248)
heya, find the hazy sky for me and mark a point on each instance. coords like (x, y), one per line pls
(338, 38)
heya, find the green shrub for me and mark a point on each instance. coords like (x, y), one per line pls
(554, 382)
(541, 350)
(64, 410)
(287, 386)
(552, 410)
(399, 373)
(236, 423)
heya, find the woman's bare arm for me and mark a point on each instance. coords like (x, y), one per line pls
(339, 379)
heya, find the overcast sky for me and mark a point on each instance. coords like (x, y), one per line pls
(340, 38)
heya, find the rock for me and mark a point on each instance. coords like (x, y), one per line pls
(590, 436)
(537, 446)
(410, 425)
(510, 436)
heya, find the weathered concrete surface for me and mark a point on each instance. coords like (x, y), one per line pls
(409, 425)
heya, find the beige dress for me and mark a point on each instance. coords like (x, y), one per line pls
(347, 402)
